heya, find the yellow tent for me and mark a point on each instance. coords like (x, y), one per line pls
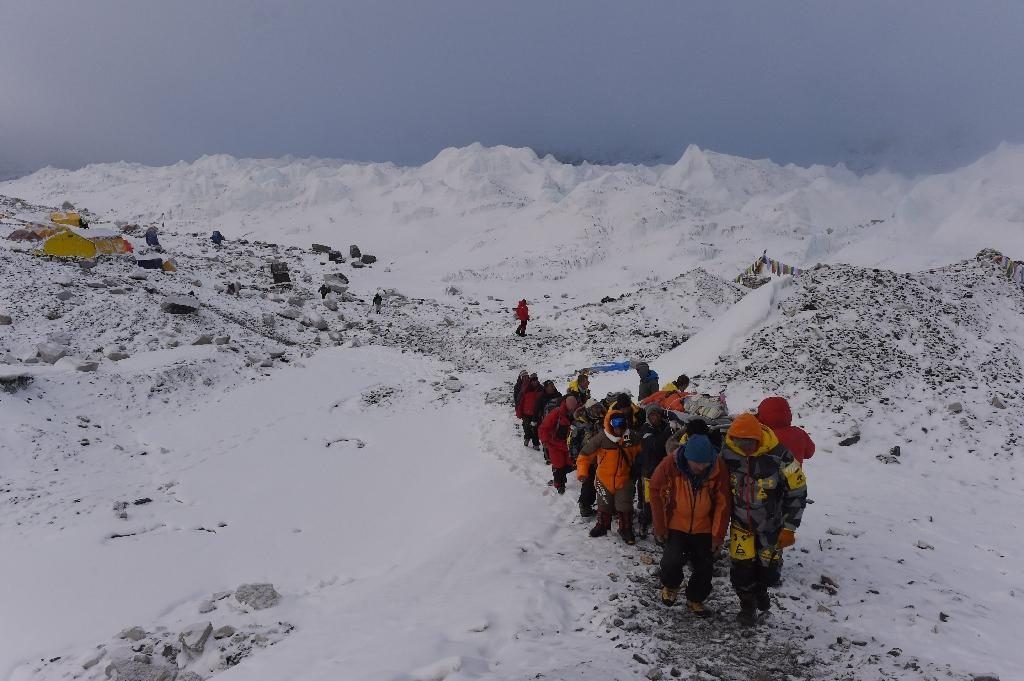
(71, 219)
(69, 245)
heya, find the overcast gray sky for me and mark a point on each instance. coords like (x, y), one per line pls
(913, 84)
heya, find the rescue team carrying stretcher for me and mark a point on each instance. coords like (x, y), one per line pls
(696, 473)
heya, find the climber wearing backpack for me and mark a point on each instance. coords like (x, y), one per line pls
(775, 413)
(554, 434)
(653, 436)
(690, 510)
(769, 493)
(588, 421)
(530, 401)
(550, 400)
(648, 380)
(523, 315)
(612, 452)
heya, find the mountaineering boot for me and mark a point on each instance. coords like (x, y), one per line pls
(669, 595)
(747, 616)
(698, 609)
(586, 511)
(626, 527)
(764, 603)
(604, 523)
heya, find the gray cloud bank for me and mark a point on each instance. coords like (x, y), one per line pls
(912, 85)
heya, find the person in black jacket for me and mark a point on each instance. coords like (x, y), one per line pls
(648, 380)
(653, 437)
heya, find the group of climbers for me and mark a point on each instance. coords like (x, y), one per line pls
(691, 477)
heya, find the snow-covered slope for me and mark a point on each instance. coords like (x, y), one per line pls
(486, 216)
(329, 450)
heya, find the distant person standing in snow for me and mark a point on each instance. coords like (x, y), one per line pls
(217, 238)
(323, 290)
(648, 380)
(377, 300)
(769, 492)
(523, 315)
(775, 413)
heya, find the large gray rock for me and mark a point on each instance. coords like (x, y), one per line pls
(194, 637)
(269, 320)
(51, 352)
(5, 320)
(134, 670)
(257, 596)
(297, 301)
(331, 304)
(354, 252)
(290, 313)
(357, 264)
(133, 634)
(955, 407)
(204, 339)
(65, 295)
(222, 340)
(75, 364)
(227, 631)
(314, 320)
(368, 259)
(139, 274)
(180, 304)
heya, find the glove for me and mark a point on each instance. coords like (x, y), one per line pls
(786, 538)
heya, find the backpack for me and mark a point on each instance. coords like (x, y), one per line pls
(706, 406)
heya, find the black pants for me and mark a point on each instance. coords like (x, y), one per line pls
(682, 548)
(753, 576)
(530, 432)
(560, 475)
(521, 331)
(588, 494)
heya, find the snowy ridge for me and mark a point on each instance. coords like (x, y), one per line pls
(497, 213)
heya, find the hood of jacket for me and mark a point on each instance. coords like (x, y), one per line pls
(774, 412)
(768, 442)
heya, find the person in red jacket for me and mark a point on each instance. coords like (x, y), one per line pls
(523, 315)
(530, 398)
(775, 413)
(554, 433)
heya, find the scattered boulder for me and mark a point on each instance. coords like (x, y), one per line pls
(290, 313)
(222, 340)
(269, 320)
(357, 264)
(180, 305)
(453, 384)
(135, 670)
(276, 354)
(133, 634)
(955, 408)
(50, 352)
(5, 320)
(984, 677)
(207, 606)
(63, 280)
(73, 363)
(997, 403)
(320, 248)
(354, 252)
(368, 259)
(65, 295)
(313, 319)
(139, 274)
(193, 638)
(257, 596)
(203, 339)
(852, 440)
(297, 301)
(331, 304)
(227, 631)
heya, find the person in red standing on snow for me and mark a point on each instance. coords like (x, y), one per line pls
(523, 315)
(775, 413)
(554, 433)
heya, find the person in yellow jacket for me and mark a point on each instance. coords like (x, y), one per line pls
(769, 492)
(612, 452)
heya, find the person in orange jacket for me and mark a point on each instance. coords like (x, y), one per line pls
(523, 315)
(613, 452)
(690, 505)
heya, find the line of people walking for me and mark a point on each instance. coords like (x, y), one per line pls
(689, 476)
